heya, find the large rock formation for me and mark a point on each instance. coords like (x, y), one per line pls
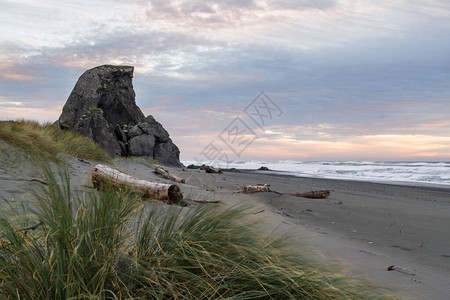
(102, 106)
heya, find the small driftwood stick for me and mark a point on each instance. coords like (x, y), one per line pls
(164, 173)
(34, 227)
(169, 193)
(212, 170)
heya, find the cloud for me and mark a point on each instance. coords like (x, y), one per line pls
(302, 4)
(19, 112)
(338, 69)
(370, 147)
(10, 75)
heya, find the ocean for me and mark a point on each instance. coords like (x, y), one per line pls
(409, 173)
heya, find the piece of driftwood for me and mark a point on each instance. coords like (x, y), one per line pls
(169, 193)
(311, 194)
(204, 201)
(34, 227)
(164, 173)
(250, 189)
(212, 170)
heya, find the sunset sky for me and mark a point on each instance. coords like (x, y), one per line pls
(353, 80)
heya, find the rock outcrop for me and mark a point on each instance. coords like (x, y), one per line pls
(102, 107)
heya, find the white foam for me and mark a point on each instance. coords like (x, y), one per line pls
(426, 173)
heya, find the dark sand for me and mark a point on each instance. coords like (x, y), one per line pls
(377, 225)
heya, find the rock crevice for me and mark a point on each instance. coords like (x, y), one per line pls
(102, 107)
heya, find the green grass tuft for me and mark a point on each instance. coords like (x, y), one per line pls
(109, 244)
(44, 142)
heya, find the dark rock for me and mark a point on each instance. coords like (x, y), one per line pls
(120, 134)
(167, 154)
(102, 106)
(142, 145)
(263, 169)
(123, 148)
(193, 167)
(151, 126)
(109, 88)
(135, 131)
(93, 125)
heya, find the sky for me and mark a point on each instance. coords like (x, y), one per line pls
(342, 79)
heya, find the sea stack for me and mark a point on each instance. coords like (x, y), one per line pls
(102, 107)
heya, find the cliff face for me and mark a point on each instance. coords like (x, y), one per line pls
(102, 106)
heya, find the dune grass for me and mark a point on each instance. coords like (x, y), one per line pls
(44, 142)
(111, 245)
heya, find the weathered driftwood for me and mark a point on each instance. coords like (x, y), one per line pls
(26, 229)
(311, 194)
(212, 170)
(204, 201)
(250, 189)
(169, 193)
(164, 173)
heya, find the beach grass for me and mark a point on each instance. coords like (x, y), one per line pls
(44, 142)
(111, 245)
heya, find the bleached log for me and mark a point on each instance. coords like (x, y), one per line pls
(169, 193)
(250, 189)
(164, 173)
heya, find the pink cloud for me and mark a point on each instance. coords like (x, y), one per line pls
(41, 114)
(10, 76)
(368, 147)
(371, 147)
(13, 72)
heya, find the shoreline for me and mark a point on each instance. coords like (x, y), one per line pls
(419, 184)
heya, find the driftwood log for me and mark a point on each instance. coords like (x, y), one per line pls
(164, 173)
(311, 194)
(212, 170)
(169, 193)
(250, 189)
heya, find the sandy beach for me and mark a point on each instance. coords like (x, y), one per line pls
(362, 228)
(374, 226)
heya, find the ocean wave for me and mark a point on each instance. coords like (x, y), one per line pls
(379, 171)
